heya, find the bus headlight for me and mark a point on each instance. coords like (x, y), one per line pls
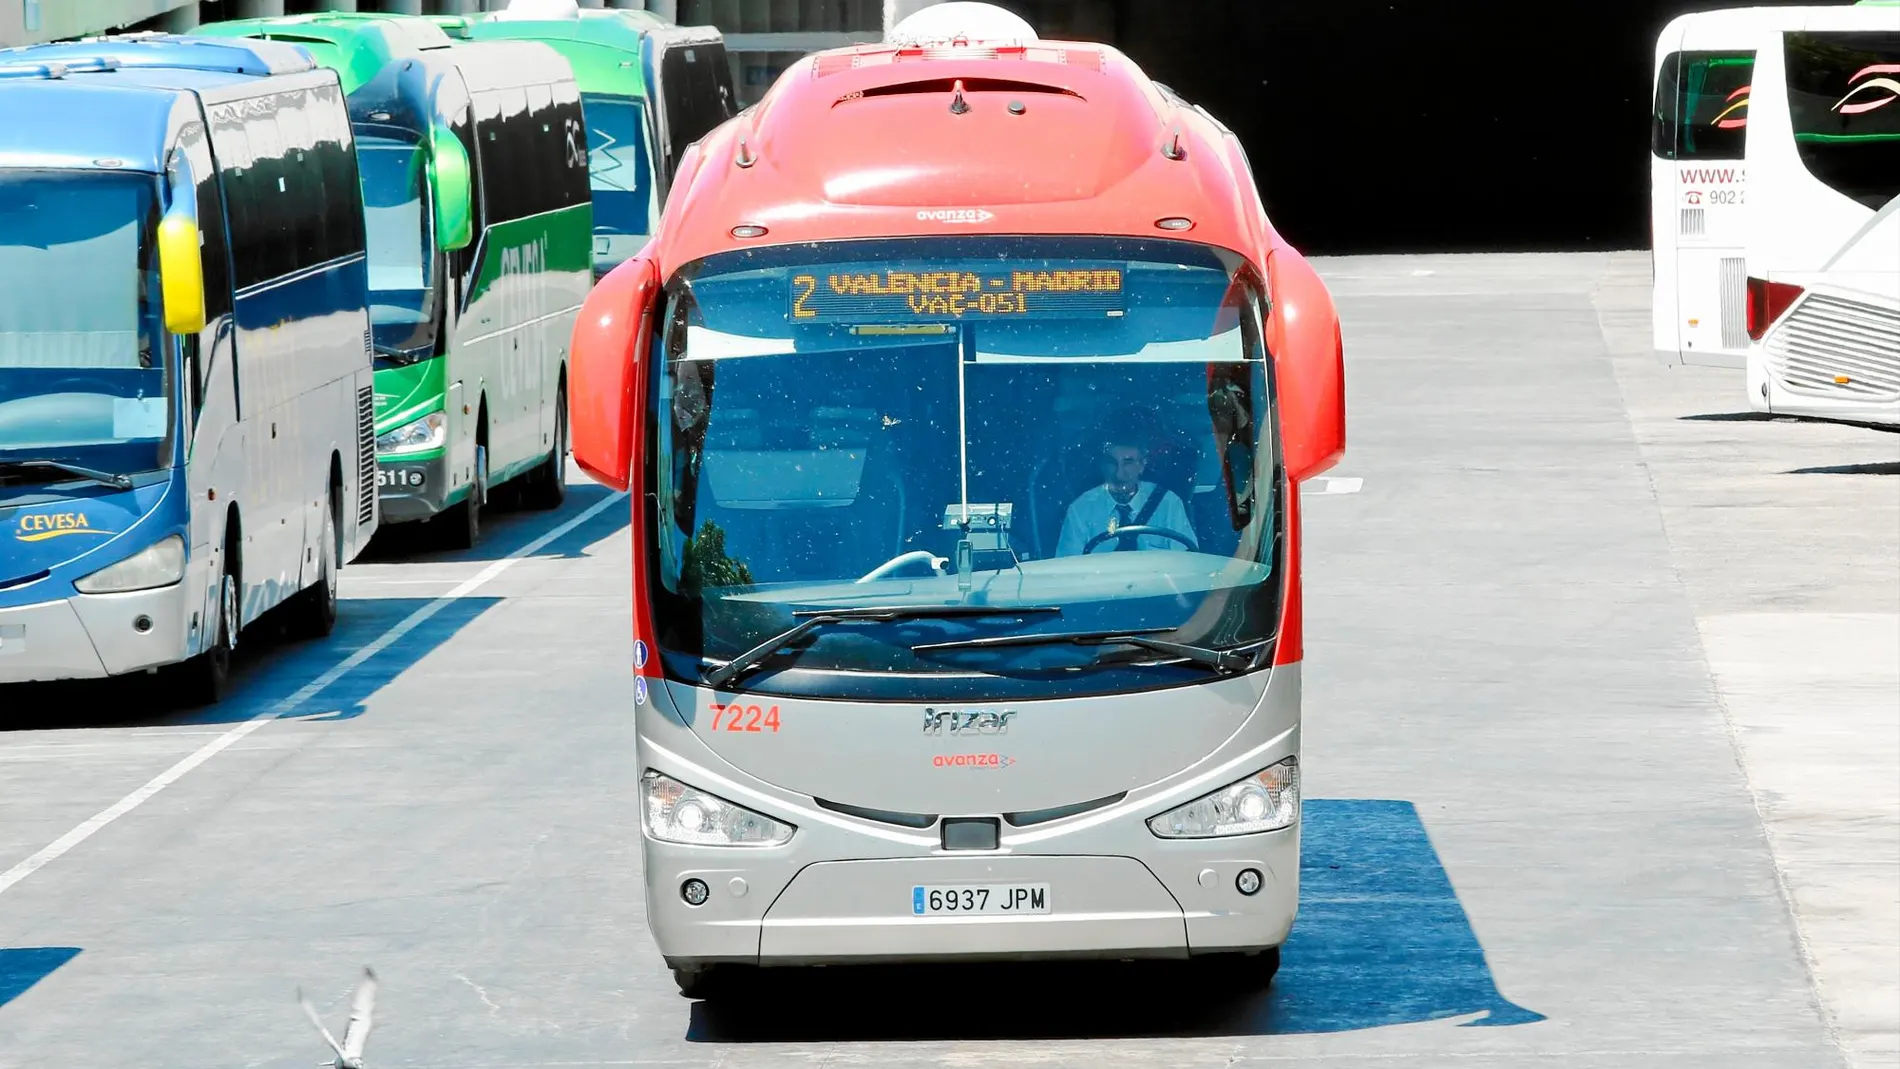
(675, 813)
(429, 432)
(1268, 800)
(160, 564)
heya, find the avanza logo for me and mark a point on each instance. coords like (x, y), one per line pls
(955, 215)
(972, 760)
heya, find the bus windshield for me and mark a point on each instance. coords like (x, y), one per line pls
(85, 378)
(1844, 101)
(1078, 423)
(397, 215)
(617, 165)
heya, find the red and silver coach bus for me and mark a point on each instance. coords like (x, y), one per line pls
(963, 395)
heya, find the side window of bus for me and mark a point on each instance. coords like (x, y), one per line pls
(570, 127)
(676, 98)
(267, 192)
(249, 235)
(216, 259)
(1841, 89)
(342, 202)
(302, 182)
(216, 245)
(544, 126)
(508, 164)
(1701, 110)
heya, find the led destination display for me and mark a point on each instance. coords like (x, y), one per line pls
(899, 293)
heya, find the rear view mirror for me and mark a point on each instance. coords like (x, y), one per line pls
(453, 184)
(181, 265)
(181, 274)
(610, 342)
(1309, 361)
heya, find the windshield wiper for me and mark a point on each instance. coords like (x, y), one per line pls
(104, 478)
(1225, 661)
(817, 618)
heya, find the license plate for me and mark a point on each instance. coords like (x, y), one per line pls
(998, 898)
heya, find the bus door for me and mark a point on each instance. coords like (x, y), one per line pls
(209, 364)
(1702, 100)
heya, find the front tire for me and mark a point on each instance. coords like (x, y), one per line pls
(462, 524)
(546, 487)
(203, 680)
(706, 982)
(312, 614)
(1244, 972)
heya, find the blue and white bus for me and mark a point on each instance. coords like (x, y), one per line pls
(186, 399)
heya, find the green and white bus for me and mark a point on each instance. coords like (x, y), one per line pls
(475, 188)
(649, 89)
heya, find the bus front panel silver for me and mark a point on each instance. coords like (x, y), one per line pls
(840, 889)
(89, 636)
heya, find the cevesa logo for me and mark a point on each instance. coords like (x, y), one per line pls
(955, 215)
(40, 526)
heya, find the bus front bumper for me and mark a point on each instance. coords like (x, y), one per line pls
(412, 490)
(1180, 898)
(89, 636)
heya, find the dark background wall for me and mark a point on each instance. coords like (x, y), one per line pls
(1411, 125)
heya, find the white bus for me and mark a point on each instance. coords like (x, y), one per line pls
(186, 398)
(1708, 200)
(1823, 219)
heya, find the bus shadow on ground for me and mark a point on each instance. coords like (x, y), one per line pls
(1888, 467)
(265, 670)
(1381, 939)
(505, 526)
(22, 967)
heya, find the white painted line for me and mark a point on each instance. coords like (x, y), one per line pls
(309, 690)
(1327, 484)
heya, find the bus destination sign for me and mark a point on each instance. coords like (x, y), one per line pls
(902, 293)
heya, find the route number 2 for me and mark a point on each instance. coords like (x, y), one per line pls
(745, 718)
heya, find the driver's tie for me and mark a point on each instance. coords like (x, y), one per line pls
(1125, 518)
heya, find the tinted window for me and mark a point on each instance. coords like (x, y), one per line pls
(570, 145)
(509, 170)
(290, 184)
(217, 263)
(1701, 110)
(621, 174)
(823, 414)
(336, 160)
(1844, 101)
(250, 235)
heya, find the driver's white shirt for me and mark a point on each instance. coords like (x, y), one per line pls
(1089, 515)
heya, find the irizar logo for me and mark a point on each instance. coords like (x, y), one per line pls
(967, 722)
(955, 215)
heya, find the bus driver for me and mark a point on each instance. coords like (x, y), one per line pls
(1124, 500)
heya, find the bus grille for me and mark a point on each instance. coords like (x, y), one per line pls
(1693, 225)
(1827, 339)
(365, 455)
(1734, 289)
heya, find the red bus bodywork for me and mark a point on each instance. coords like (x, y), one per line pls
(1051, 138)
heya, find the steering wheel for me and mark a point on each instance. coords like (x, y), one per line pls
(1139, 529)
